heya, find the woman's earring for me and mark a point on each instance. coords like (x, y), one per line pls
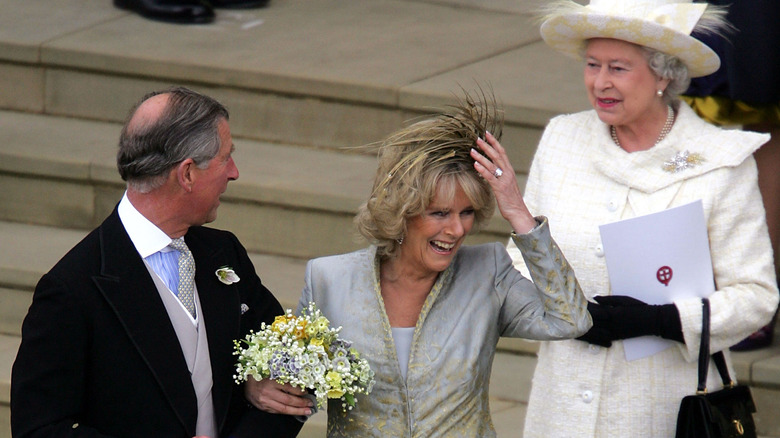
(660, 93)
(400, 240)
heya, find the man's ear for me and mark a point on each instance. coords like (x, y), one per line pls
(185, 174)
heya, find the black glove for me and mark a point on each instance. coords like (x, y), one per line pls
(621, 317)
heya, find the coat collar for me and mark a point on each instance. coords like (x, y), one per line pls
(644, 170)
(131, 293)
(439, 287)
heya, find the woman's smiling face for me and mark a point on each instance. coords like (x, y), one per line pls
(621, 86)
(433, 238)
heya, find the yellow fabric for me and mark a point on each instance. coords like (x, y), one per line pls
(724, 111)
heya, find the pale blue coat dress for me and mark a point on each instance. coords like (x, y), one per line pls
(477, 299)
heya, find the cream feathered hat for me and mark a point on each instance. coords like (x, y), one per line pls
(664, 25)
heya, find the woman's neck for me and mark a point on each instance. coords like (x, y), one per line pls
(404, 292)
(644, 134)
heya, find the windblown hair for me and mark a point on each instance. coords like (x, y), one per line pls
(429, 157)
(186, 128)
(712, 22)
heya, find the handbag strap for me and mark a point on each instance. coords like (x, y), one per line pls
(704, 353)
(704, 347)
(723, 370)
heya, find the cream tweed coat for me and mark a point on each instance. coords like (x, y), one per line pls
(580, 179)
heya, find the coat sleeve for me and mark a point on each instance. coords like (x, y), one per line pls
(553, 305)
(264, 307)
(746, 293)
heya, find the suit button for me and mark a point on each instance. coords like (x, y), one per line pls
(587, 396)
(599, 250)
(612, 205)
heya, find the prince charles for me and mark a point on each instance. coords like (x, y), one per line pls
(131, 333)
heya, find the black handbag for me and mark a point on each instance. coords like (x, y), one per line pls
(722, 414)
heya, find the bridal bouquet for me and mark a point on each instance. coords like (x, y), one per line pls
(306, 352)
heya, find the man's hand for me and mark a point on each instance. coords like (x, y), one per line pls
(275, 398)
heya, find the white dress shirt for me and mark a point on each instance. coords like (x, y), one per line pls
(152, 245)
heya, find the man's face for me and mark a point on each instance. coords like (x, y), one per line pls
(211, 182)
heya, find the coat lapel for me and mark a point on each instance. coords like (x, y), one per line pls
(220, 304)
(126, 285)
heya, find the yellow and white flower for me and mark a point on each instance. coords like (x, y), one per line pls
(305, 352)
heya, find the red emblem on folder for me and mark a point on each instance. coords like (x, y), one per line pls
(664, 275)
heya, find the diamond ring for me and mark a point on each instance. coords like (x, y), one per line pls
(498, 172)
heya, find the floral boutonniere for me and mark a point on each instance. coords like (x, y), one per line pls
(227, 275)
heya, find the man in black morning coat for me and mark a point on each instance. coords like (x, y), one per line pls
(108, 347)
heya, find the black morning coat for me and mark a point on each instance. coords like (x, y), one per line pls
(99, 356)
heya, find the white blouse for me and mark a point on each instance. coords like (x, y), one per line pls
(402, 337)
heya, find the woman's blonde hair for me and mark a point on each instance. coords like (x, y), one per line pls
(427, 158)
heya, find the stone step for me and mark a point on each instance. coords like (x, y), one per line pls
(289, 200)
(307, 72)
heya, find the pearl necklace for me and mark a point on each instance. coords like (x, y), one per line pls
(664, 131)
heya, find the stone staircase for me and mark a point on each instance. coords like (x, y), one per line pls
(308, 82)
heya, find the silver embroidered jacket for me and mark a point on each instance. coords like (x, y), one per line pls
(477, 299)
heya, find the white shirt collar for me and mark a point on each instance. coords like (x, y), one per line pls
(146, 236)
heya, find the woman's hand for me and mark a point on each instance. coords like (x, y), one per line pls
(501, 177)
(275, 398)
(617, 317)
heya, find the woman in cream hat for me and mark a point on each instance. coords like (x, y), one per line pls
(640, 151)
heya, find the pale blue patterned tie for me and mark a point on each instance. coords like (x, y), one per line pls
(186, 291)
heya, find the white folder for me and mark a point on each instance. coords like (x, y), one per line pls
(658, 258)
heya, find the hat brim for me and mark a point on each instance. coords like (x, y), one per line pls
(568, 32)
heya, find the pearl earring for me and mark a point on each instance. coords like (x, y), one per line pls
(659, 93)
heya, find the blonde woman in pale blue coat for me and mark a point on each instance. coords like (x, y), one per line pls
(426, 311)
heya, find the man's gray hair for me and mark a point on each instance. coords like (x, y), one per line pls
(186, 128)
